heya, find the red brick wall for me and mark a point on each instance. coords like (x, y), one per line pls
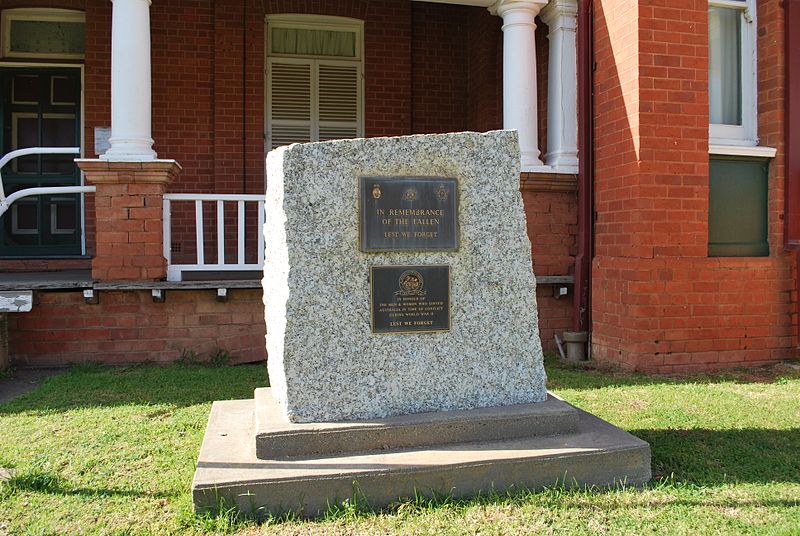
(659, 303)
(552, 229)
(440, 68)
(126, 326)
(484, 42)
(542, 67)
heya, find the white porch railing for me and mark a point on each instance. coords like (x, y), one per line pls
(5, 202)
(175, 271)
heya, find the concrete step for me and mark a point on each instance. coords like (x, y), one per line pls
(228, 471)
(276, 437)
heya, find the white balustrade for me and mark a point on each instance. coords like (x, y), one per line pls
(219, 201)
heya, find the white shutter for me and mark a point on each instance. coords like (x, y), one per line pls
(338, 100)
(289, 102)
(312, 100)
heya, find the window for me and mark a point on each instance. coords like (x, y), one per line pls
(737, 211)
(43, 33)
(732, 72)
(314, 79)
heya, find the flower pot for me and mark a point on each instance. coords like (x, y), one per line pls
(575, 342)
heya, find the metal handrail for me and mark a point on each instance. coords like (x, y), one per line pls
(5, 202)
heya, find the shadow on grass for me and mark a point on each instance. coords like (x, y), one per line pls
(42, 481)
(88, 386)
(714, 457)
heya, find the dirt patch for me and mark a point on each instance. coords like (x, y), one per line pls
(24, 381)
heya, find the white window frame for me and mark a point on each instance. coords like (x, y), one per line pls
(37, 14)
(314, 22)
(745, 134)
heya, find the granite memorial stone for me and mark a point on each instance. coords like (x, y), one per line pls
(325, 362)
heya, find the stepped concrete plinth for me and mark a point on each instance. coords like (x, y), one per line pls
(585, 451)
(277, 437)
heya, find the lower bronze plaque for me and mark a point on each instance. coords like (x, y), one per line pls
(408, 299)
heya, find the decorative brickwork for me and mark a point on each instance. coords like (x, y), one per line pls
(129, 203)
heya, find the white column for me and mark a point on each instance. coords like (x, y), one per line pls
(519, 75)
(131, 137)
(561, 17)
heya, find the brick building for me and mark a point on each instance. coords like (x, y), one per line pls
(656, 172)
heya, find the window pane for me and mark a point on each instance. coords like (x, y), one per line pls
(737, 208)
(58, 131)
(47, 37)
(725, 65)
(313, 42)
(63, 91)
(25, 134)
(25, 89)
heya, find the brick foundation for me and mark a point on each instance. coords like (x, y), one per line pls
(128, 327)
(4, 353)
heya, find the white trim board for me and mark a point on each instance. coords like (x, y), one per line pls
(741, 150)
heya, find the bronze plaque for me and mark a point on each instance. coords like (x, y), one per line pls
(407, 299)
(408, 213)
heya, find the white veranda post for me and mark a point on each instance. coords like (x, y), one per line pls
(562, 86)
(131, 137)
(519, 75)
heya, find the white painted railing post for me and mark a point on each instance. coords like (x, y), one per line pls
(199, 231)
(167, 218)
(220, 232)
(240, 232)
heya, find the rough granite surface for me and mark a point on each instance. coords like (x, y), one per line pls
(325, 364)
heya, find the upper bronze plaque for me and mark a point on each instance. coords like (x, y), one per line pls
(408, 213)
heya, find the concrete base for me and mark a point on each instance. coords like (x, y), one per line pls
(276, 437)
(593, 453)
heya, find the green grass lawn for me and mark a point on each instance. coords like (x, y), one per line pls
(113, 450)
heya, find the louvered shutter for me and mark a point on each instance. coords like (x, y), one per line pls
(338, 91)
(290, 102)
(312, 100)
